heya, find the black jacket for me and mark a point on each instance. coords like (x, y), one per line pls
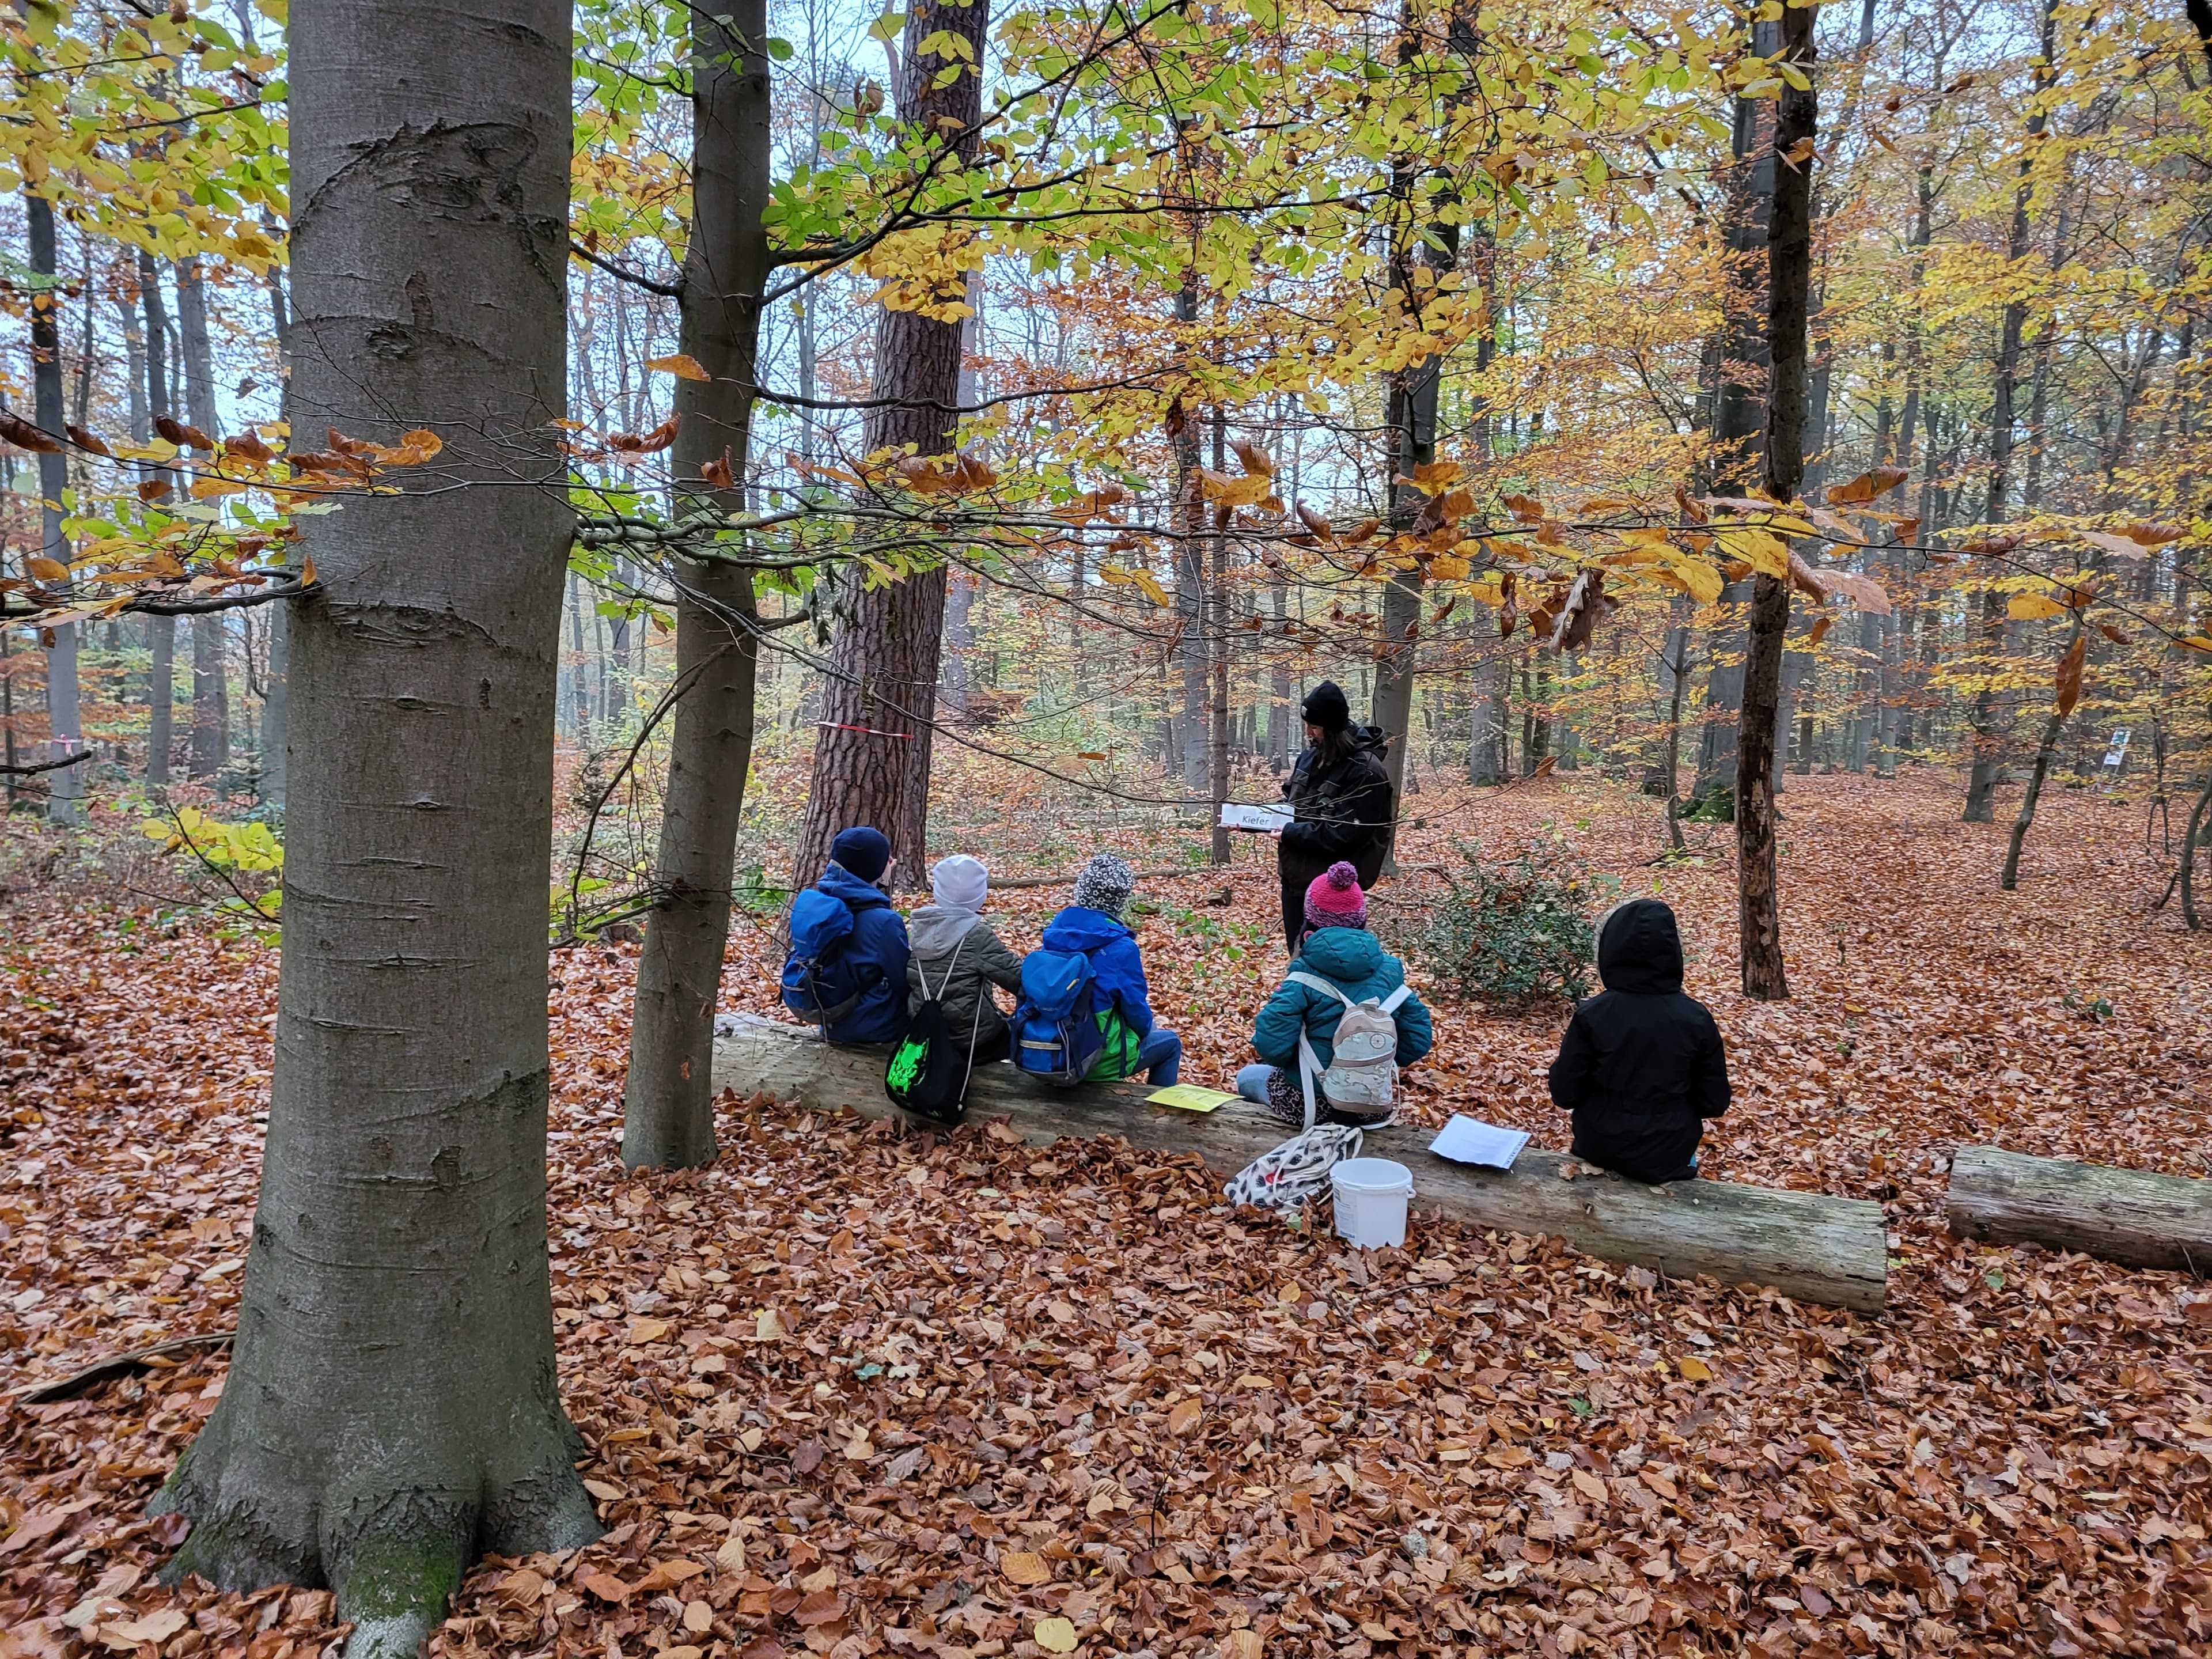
(1643, 1064)
(1342, 812)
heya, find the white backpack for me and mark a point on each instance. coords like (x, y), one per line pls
(1362, 1074)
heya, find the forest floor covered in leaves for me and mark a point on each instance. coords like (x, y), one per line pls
(855, 1393)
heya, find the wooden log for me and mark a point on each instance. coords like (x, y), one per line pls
(1806, 1245)
(2125, 1216)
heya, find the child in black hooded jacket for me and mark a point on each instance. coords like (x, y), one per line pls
(1641, 1064)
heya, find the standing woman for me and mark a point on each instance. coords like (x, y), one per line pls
(1342, 800)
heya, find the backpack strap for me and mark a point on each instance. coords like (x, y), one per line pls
(1315, 983)
(1389, 1004)
(945, 984)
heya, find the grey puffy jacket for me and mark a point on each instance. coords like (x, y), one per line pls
(935, 932)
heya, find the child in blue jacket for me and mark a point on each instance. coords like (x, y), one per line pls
(1337, 947)
(1093, 925)
(849, 947)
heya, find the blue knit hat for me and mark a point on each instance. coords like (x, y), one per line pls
(866, 853)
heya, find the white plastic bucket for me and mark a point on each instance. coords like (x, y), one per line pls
(1372, 1196)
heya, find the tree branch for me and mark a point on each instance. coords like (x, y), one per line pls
(666, 290)
(45, 766)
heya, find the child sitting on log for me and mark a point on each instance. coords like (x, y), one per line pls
(958, 957)
(1092, 926)
(847, 970)
(1641, 1064)
(1339, 964)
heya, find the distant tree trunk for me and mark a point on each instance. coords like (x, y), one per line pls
(1788, 282)
(1738, 412)
(161, 631)
(2051, 728)
(211, 683)
(872, 747)
(1280, 745)
(2193, 842)
(1988, 739)
(277, 699)
(1191, 643)
(391, 1411)
(668, 1112)
(65, 717)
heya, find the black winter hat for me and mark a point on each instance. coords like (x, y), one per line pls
(1325, 706)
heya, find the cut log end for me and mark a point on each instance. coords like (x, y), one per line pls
(1806, 1245)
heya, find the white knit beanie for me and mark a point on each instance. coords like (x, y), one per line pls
(960, 883)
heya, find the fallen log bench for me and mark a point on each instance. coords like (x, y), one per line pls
(1806, 1245)
(2136, 1219)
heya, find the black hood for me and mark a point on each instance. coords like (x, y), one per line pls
(1371, 740)
(1640, 949)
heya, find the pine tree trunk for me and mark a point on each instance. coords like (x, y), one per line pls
(65, 717)
(668, 1112)
(872, 748)
(392, 1410)
(1737, 413)
(1789, 270)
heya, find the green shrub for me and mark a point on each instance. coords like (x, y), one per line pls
(1514, 932)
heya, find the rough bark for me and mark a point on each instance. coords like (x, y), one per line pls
(2126, 1216)
(393, 1407)
(1737, 413)
(872, 747)
(1789, 283)
(1806, 1245)
(65, 718)
(1985, 718)
(668, 1116)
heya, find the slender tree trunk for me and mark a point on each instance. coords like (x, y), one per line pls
(2020, 825)
(277, 700)
(391, 1411)
(1738, 415)
(210, 685)
(871, 749)
(161, 631)
(668, 1116)
(1788, 282)
(1216, 770)
(1984, 721)
(64, 720)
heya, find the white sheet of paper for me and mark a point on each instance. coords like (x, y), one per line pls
(1470, 1141)
(1235, 815)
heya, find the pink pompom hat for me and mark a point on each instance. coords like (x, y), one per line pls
(1333, 898)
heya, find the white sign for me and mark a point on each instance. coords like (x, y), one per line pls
(1265, 820)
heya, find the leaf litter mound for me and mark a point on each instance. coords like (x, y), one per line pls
(851, 1392)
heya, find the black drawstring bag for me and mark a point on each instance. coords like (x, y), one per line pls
(928, 1075)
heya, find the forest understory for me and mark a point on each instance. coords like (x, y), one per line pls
(855, 1392)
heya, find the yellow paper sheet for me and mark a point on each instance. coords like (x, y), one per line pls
(1189, 1098)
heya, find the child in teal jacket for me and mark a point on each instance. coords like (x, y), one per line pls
(1336, 947)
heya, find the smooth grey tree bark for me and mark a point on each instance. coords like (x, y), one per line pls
(277, 700)
(64, 716)
(392, 1408)
(210, 685)
(161, 631)
(668, 1108)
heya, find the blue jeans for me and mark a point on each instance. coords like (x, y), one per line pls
(1160, 1057)
(1252, 1083)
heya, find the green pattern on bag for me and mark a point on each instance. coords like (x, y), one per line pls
(906, 1065)
(1117, 1062)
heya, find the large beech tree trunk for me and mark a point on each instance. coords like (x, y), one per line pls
(393, 1410)
(64, 720)
(871, 749)
(1788, 285)
(668, 1116)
